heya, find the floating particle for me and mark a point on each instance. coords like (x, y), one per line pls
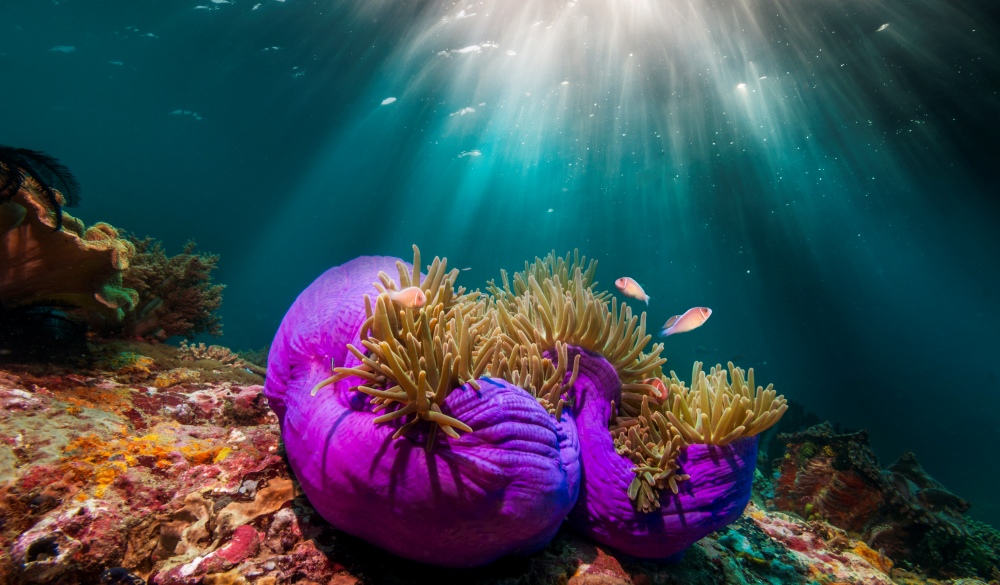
(882, 28)
(188, 113)
(468, 50)
(388, 101)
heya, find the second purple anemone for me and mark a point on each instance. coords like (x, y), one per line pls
(470, 426)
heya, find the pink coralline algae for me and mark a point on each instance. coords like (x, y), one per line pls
(162, 484)
(828, 553)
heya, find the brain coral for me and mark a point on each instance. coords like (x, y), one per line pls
(470, 427)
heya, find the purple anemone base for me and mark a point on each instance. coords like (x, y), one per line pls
(714, 496)
(502, 489)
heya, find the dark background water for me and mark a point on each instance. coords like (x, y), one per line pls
(839, 212)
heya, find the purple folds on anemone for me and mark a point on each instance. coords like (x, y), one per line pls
(714, 496)
(503, 488)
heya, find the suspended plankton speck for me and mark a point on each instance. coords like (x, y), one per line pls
(741, 87)
(882, 28)
(388, 101)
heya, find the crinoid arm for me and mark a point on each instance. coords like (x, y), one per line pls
(17, 165)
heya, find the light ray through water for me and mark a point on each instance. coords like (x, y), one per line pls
(712, 137)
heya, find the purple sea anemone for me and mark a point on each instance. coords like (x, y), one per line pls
(462, 430)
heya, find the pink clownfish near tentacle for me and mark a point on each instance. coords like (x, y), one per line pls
(631, 288)
(410, 297)
(691, 319)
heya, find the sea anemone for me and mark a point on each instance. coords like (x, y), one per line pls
(465, 429)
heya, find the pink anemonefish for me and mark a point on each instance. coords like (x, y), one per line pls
(691, 319)
(631, 288)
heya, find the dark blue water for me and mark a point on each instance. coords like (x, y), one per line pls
(826, 187)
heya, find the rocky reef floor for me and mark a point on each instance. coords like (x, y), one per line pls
(153, 466)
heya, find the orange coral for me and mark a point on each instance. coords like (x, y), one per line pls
(76, 266)
(116, 400)
(875, 558)
(111, 458)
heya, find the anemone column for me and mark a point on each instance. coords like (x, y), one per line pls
(714, 496)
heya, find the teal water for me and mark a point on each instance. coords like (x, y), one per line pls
(823, 182)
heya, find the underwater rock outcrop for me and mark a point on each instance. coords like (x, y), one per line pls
(469, 424)
(900, 510)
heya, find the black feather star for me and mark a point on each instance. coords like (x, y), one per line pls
(16, 164)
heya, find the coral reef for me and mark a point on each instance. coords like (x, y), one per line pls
(176, 295)
(74, 267)
(56, 274)
(105, 478)
(257, 357)
(200, 351)
(493, 410)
